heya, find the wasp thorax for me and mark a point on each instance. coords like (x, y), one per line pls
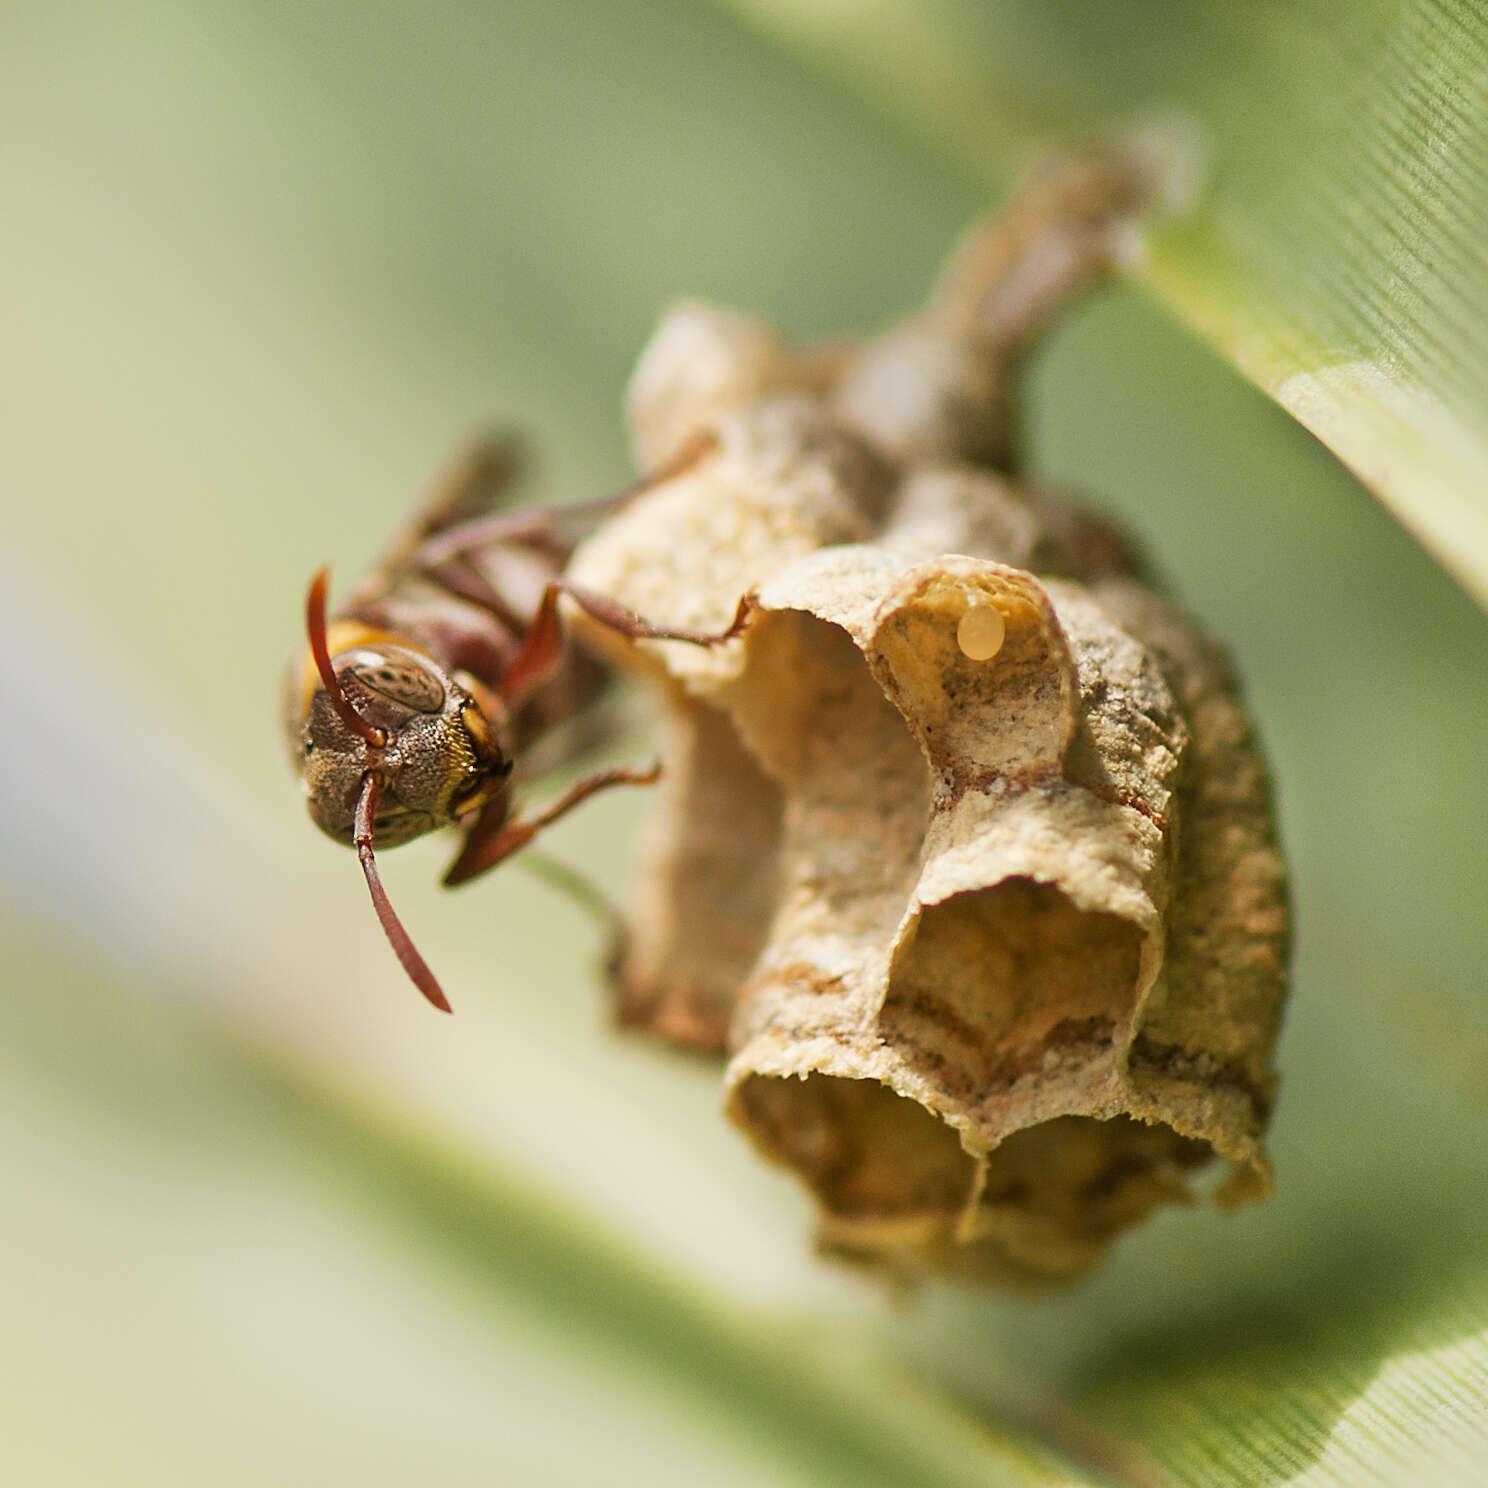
(438, 760)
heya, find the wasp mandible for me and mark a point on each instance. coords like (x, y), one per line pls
(409, 707)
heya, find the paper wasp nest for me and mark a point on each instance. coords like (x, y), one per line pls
(964, 854)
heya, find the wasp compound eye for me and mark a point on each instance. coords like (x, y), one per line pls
(397, 676)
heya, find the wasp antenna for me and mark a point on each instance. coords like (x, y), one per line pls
(403, 946)
(315, 628)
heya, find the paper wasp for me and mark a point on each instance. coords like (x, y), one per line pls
(411, 704)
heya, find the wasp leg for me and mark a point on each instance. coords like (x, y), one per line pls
(698, 445)
(465, 492)
(494, 838)
(475, 484)
(465, 581)
(557, 528)
(544, 643)
(579, 887)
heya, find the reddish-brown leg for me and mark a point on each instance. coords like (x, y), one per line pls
(493, 838)
(463, 495)
(533, 526)
(466, 582)
(555, 527)
(475, 483)
(544, 643)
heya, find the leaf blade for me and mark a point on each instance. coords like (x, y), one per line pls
(1332, 256)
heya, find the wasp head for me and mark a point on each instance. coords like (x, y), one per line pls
(390, 745)
(426, 739)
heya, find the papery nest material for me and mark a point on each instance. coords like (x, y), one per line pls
(993, 931)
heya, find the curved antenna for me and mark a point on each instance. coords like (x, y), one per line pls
(315, 628)
(403, 947)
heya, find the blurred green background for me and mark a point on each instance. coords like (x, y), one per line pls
(262, 268)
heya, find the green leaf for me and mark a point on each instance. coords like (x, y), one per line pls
(368, 1304)
(1335, 254)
